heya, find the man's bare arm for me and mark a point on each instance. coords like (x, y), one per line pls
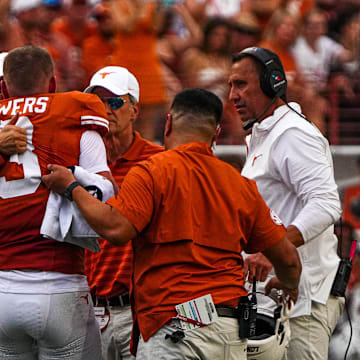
(258, 265)
(285, 259)
(108, 175)
(105, 220)
(294, 235)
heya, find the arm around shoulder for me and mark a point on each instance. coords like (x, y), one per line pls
(104, 219)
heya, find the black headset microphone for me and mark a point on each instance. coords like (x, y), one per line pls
(249, 124)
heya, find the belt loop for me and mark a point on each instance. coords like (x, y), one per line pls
(121, 300)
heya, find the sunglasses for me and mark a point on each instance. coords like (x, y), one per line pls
(114, 102)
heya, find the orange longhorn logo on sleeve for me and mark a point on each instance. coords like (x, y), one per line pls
(255, 158)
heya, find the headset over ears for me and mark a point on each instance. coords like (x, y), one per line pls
(273, 79)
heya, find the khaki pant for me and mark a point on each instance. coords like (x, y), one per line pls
(115, 338)
(310, 335)
(218, 341)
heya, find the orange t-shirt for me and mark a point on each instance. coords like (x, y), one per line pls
(98, 53)
(137, 52)
(62, 26)
(194, 214)
(109, 271)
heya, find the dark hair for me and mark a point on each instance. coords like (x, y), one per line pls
(25, 68)
(198, 102)
(259, 65)
(210, 26)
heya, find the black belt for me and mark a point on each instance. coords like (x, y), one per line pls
(226, 311)
(119, 300)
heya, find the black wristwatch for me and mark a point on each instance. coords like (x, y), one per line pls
(68, 191)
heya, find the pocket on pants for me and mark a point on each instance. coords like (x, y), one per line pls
(235, 350)
(335, 308)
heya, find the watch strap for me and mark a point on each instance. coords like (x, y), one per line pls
(68, 191)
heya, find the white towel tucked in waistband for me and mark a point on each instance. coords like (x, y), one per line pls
(63, 220)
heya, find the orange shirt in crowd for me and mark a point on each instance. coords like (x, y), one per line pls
(98, 53)
(194, 214)
(137, 52)
(11, 36)
(109, 271)
(62, 26)
(285, 55)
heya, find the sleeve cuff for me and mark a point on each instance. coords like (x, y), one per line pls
(304, 233)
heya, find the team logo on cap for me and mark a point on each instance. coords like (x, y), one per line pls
(104, 74)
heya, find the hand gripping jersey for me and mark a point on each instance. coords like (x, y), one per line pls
(54, 125)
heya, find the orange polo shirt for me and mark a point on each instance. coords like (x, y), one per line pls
(194, 214)
(109, 271)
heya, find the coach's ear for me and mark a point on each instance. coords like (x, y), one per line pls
(168, 124)
(52, 84)
(4, 90)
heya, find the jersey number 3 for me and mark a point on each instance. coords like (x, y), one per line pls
(21, 175)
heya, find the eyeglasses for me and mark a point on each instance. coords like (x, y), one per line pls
(114, 102)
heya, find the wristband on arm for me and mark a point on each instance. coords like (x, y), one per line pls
(68, 191)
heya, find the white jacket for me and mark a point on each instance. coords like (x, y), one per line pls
(291, 162)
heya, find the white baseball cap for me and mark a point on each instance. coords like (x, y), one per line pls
(2, 58)
(117, 79)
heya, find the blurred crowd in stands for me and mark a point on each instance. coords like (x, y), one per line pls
(173, 44)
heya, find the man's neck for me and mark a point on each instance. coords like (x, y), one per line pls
(311, 42)
(117, 145)
(177, 141)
